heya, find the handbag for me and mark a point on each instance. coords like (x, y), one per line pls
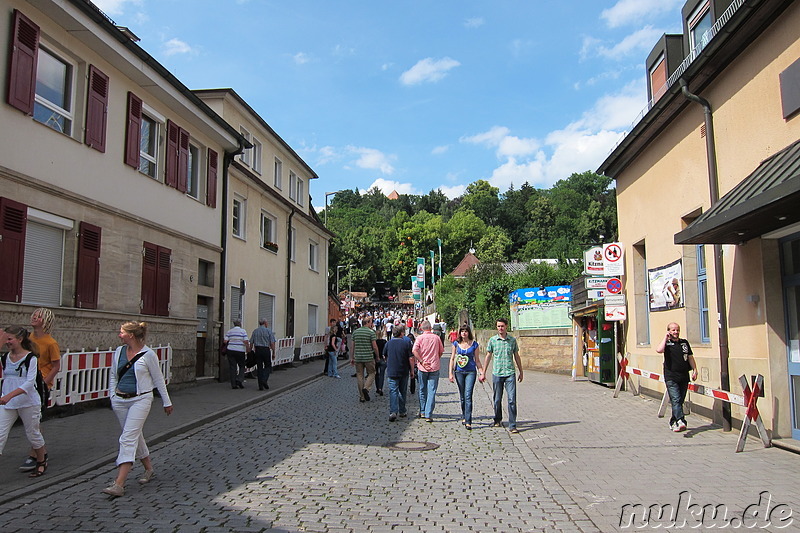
(250, 359)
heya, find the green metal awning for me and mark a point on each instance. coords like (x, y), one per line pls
(766, 200)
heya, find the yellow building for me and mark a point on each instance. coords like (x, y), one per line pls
(708, 182)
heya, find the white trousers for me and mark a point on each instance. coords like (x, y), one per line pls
(132, 414)
(30, 419)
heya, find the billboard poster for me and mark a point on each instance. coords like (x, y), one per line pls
(535, 308)
(666, 286)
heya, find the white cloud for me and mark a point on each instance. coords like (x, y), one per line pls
(176, 46)
(301, 58)
(580, 146)
(372, 159)
(428, 69)
(115, 7)
(439, 150)
(453, 192)
(632, 12)
(474, 22)
(639, 41)
(387, 186)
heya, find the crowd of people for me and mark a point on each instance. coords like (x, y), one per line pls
(410, 359)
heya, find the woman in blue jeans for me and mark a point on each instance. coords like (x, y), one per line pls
(464, 370)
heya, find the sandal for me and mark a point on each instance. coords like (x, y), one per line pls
(41, 468)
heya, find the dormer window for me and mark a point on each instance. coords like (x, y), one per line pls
(699, 24)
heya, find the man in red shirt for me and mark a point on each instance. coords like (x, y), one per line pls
(428, 349)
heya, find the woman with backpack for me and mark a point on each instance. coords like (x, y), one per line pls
(20, 398)
(135, 372)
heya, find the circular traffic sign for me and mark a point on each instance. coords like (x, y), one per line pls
(612, 253)
(614, 286)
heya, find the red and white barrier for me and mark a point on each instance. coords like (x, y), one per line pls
(747, 400)
(312, 346)
(284, 351)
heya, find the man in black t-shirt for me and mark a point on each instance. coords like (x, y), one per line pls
(678, 360)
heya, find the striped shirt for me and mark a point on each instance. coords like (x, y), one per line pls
(236, 338)
(502, 351)
(362, 345)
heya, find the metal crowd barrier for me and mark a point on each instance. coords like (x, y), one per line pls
(284, 351)
(312, 346)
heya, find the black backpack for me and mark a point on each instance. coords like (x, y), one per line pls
(40, 385)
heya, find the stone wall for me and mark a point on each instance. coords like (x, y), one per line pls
(78, 330)
(542, 351)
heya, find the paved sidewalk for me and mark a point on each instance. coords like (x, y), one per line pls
(311, 458)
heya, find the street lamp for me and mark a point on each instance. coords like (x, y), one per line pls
(326, 203)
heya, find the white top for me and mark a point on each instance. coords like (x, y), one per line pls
(12, 380)
(148, 375)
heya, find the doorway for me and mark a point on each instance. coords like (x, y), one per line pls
(790, 269)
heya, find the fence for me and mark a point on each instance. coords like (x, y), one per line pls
(312, 346)
(84, 376)
(284, 351)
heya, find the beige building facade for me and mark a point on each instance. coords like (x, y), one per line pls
(276, 247)
(111, 176)
(708, 185)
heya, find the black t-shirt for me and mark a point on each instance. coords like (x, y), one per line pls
(676, 360)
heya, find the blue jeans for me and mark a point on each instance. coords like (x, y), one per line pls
(509, 383)
(466, 383)
(380, 372)
(333, 364)
(677, 394)
(428, 383)
(398, 387)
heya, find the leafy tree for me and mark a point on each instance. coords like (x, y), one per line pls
(483, 200)
(493, 246)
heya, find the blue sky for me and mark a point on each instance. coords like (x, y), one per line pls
(418, 95)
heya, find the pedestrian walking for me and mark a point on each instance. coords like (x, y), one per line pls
(263, 341)
(135, 372)
(334, 345)
(328, 328)
(465, 367)
(19, 397)
(49, 363)
(428, 350)
(363, 351)
(678, 360)
(236, 345)
(503, 348)
(380, 362)
(399, 370)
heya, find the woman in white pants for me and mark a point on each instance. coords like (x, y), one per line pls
(135, 372)
(19, 396)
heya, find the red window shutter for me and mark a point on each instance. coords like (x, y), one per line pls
(13, 222)
(96, 110)
(163, 281)
(149, 277)
(22, 60)
(211, 179)
(183, 159)
(171, 174)
(88, 280)
(133, 131)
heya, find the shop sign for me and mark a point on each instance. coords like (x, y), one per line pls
(593, 261)
(596, 283)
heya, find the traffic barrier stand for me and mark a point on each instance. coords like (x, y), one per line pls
(748, 399)
(624, 376)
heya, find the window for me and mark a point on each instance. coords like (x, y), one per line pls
(658, 78)
(702, 292)
(13, 223)
(156, 274)
(239, 215)
(256, 155)
(96, 110)
(245, 156)
(266, 308)
(313, 256)
(313, 311)
(177, 157)
(148, 147)
(278, 174)
(268, 234)
(236, 303)
(205, 273)
(700, 24)
(44, 258)
(292, 185)
(53, 102)
(641, 294)
(300, 191)
(211, 178)
(193, 172)
(88, 281)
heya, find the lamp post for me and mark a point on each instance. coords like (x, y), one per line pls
(326, 203)
(338, 268)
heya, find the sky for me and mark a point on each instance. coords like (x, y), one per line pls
(418, 95)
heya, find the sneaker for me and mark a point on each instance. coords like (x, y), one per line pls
(681, 425)
(676, 427)
(29, 464)
(147, 476)
(672, 426)
(114, 490)
(392, 417)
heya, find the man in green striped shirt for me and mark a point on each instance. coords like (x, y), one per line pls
(503, 348)
(363, 351)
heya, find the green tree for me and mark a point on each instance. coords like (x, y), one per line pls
(493, 246)
(483, 200)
